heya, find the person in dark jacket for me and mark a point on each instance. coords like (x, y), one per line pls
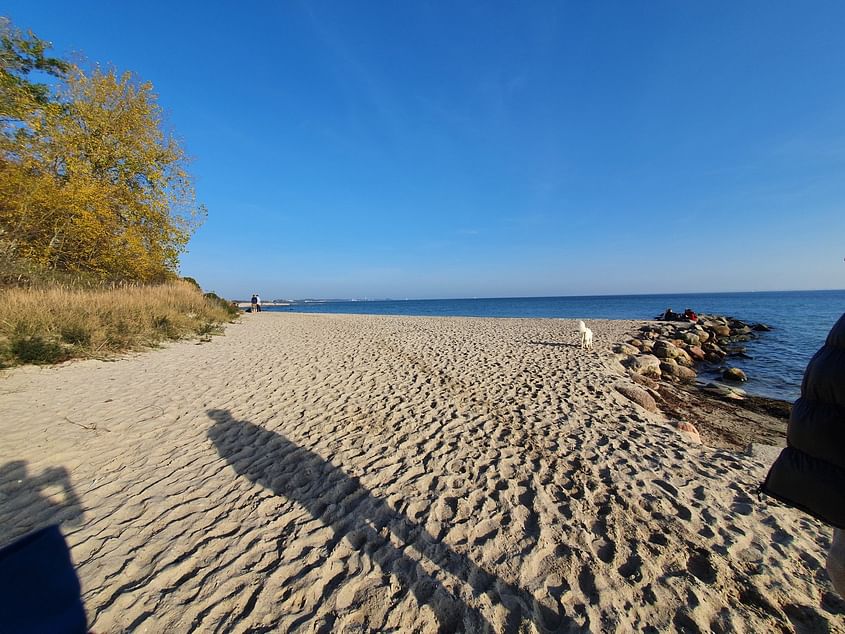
(810, 473)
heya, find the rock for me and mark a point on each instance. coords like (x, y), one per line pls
(734, 374)
(677, 372)
(702, 335)
(690, 338)
(712, 347)
(624, 348)
(637, 343)
(645, 364)
(648, 345)
(696, 353)
(741, 330)
(637, 395)
(644, 381)
(684, 359)
(721, 330)
(666, 350)
(761, 328)
(689, 430)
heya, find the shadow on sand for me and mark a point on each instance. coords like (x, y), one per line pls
(29, 502)
(355, 514)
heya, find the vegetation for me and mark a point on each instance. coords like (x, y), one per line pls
(48, 325)
(89, 181)
(96, 206)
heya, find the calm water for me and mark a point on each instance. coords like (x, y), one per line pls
(801, 321)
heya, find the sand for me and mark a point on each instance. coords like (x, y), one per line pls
(358, 473)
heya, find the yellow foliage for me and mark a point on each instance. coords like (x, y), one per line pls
(91, 183)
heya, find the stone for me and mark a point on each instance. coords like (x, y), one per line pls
(665, 350)
(696, 353)
(702, 335)
(637, 395)
(712, 347)
(677, 372)
(761, 328)
(690, 431)
(690, 338)
(648, 346)
(637, 343)
(734, 374)
(684, 359)
(624, 348)
(644, 381)
(721, 330)
(645, 364)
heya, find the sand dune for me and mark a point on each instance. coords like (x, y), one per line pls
(357, 473)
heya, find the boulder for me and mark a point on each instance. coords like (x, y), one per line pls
(666, 350)
(696, 353)
(734, 374)
(761, 328)
(721, 330)
(712, 347)
(702, 335)
(624, 348)
(637, 395)
(684, 359)
(648, 345)
(689, 430)
(677, 372)
(645, 364)
(637, 343)
(644, 381)
(690, 338)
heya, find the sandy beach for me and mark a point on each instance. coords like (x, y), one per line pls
(369, 473)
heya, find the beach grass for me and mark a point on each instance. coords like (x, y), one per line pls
(56, 323)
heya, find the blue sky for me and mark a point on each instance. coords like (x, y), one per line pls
(458, 149)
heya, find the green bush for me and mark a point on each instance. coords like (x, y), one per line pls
(76, 334)
(36, 349)
(226, 305)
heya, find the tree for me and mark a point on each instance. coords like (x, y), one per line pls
(89, 181)
(20, 55)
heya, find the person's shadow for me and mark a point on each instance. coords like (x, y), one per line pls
(354, 513)
(29, 502)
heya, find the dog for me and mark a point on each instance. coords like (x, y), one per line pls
(586, 335)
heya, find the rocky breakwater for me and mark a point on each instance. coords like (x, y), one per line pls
(666, 357)
(674, 351)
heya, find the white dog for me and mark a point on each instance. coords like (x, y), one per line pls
(586, 335)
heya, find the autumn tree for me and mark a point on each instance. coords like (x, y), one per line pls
(90, 182)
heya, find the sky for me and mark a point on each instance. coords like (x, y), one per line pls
(493, 149)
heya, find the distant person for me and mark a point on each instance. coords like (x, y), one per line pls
(254, 303)
(809, 474)
(690, 315)
(670, 315)
(258, 301)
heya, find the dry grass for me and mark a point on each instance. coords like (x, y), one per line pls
(47, 325)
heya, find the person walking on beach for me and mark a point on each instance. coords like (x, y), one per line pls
(810, 473)
(254, 303)
(258, 302)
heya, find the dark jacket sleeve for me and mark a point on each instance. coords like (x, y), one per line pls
(810, 473)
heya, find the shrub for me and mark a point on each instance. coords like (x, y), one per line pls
(45, 325)
(36, 349)
(76, 334)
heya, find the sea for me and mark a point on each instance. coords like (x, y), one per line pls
(775, 361)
